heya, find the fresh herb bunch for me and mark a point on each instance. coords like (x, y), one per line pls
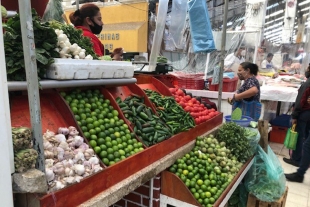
(76, 36)
(45, 42)
(235, 138)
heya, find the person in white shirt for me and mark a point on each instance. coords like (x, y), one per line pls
(267, 64)
(235, 58)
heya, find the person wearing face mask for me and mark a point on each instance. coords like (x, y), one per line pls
(248, 95)
(301, 117)
(234, 59)
(88, 19)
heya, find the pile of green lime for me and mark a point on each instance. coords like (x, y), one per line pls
(106, 133)
(207, 170)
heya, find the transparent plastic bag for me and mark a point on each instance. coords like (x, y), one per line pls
(253, 140)
(265, 179)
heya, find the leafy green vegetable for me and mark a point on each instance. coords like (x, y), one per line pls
(45, 42)
(235, 138)
(76, 36)
(106, 58)
(236, 114)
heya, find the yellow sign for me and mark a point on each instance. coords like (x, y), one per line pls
(125, 25)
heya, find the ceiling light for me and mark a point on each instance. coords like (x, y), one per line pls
(304, 9)
(303, 3)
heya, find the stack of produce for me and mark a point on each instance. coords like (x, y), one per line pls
(45, 43)
(197, 110)
(72, 43)
(207, 170)
(68, 159)
(24, 156)
(171, 112)
(236, 140)
(147, 125)
(109, 136)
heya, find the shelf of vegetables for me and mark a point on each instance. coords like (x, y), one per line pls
(71, 154)
(211, 171)
(67, 107)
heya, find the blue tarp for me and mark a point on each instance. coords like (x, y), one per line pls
(201, 31)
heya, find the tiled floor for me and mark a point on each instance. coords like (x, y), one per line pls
(298, 193)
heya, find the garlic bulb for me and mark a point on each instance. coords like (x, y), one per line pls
(89, 153)
(59, 185)
(78, 178)
(60, 155)
(84, 146)
(64, 145)
(49, 163)
(60, 138)
(79, 169)
(47, 145)
(94, 161)
(79, 158)
(49, 174)
(63, 130)
(73, 131)
(48, 154)
(68, 155)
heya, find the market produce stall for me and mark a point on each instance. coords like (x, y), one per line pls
(105, 137)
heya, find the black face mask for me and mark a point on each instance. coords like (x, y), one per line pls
(96, 29)
(307, 74)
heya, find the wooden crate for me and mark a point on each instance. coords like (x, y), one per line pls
(254, 202)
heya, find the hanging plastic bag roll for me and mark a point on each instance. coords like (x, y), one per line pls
(178, 17)
(158, 35)
(201, 31)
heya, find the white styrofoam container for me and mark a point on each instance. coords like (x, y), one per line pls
(68, 69)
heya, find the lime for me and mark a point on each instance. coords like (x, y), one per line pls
(103, 154)
(103, 147)
(93, 137)
(121, 152)
(87, 135)
(97, 149)
(93, 143)
(115, 112)
(105, 161)
(110, 150)
(100, 141)
(111, 157)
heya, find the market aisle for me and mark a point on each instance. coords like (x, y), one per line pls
(298, 193)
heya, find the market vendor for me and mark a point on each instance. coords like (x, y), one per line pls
(248, 95)
(234, 59)
(117, 54)
(88, 19)
(267, 64)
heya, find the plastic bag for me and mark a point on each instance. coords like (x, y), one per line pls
(53, 11)
(201, 31)
(265, 179)
(178, 17)
(253, 140)
(291, 138)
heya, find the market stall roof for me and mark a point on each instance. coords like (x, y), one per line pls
(274, 16)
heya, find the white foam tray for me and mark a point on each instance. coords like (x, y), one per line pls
(69, 69)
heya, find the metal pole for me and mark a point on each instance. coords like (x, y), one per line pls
(32, 79)
(6, 152)
(77, 2)
(223, 52)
